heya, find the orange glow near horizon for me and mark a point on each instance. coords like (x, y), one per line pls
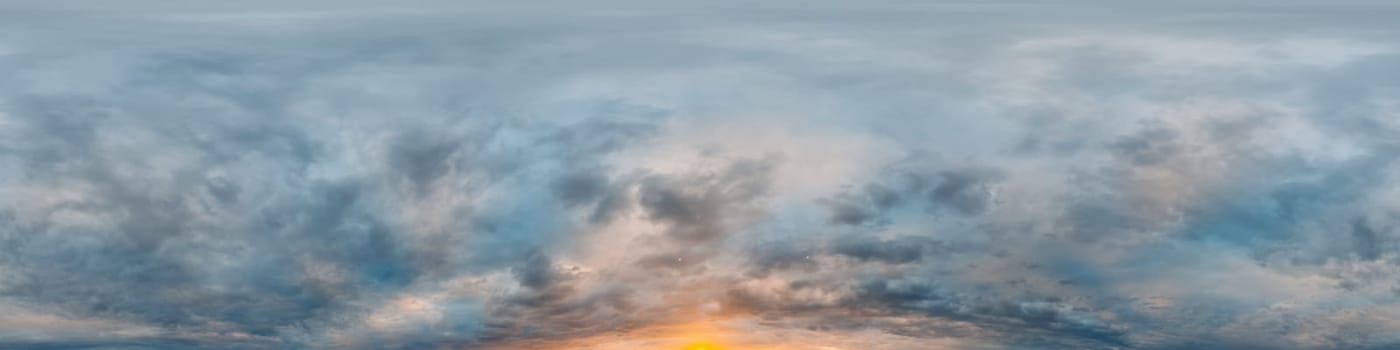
(699, 335)
(721, 333)
(702, 346)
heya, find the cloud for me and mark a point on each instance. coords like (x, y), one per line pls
(815, 175)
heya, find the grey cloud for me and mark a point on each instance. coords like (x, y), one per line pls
(965, 191)
(698, 208)
(780, 255)
(1368, 241)
(864, 206)
(1079, 175)
(284, 261)
(422, 160)
(901, 251)
(957, 190)
(1147, 147)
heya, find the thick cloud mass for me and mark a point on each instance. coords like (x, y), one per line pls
(792, 175)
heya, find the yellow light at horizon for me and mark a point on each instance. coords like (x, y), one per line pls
(702, 346)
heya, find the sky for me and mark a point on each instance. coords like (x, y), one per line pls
(718, 175)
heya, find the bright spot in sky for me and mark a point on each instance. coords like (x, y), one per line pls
(702, 346)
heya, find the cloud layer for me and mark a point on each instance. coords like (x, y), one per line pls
(1018, 175)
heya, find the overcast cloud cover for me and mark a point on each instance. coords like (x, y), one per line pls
(883, 175)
